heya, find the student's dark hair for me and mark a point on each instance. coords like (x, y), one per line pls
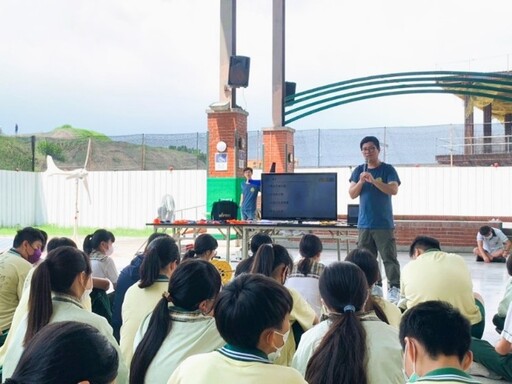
(160, 253)
(259, 239)
(70, 351)
(344, 290)
(153, 236)
(424, 243)
(45, 237)
(192, 282)
(370, 139)
(310, 245)
(486, 230)
(92, 242)
(368, 263)
(439, 327)
(247, 306)
(269, 257)
(57, 242)
(248, 169)
(30, 234)
(55, 274)
(203, 243)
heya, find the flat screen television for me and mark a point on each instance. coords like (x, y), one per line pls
(299, 196)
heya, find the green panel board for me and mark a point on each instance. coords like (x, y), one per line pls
(222, 188)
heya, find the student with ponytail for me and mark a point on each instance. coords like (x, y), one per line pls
(352, 346)
(205, 248)
(273, 260)
(181, 324)
(384, 309)
(160, 260)
(58, 284)
(306, 272)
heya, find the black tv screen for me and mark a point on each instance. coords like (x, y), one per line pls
(299, 196)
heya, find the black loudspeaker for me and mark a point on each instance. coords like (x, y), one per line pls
(239, 71)
(224, 210)
(289, 88)
(273, 168)
(352, 214)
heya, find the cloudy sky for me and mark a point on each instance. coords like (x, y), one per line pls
(133, 66)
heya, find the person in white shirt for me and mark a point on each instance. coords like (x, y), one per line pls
(181, 324)
(492, 245)
(352, 346)
(57, 287)
(252, 315)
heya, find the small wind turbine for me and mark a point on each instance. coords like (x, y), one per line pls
(75, 174)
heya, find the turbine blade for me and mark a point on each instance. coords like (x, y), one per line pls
(88, 153)
(86, 185)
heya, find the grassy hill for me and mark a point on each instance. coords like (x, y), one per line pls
(68, 147)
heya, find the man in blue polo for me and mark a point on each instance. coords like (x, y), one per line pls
(374, 182)
(250, 190)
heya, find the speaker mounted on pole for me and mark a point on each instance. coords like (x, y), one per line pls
(239, 71)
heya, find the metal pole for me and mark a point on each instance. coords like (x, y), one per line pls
(33, 145)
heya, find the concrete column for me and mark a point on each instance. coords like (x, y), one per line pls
(508, 132)
(488, 128)
(469, 126)
(278, 147)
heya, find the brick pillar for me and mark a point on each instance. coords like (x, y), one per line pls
(224, 178)
(278, 147)
(487, 128)
(469, 127)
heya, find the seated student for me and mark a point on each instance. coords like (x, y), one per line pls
(252, 315)
(497, 359)
(15, 265)
(306, 272)
(436, 275)
(499, 318)
(384, 309)
(245, 265)
(128, 276)
(57, 287)
(274, 261)
(47, 357)
(205, 248)
(181, 325)
(435, 337)
(99, 247)
(161, 259)
(492, 245)
(352, 346)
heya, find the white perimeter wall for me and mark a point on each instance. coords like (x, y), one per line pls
(130, 199)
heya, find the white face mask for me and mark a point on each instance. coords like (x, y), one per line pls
(275, 355)
(110, 250)
(87, 291)
(413, 374)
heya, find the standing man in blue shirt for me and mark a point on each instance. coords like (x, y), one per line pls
(374, 182)
(250, 189)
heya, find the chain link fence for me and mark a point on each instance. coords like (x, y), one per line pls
(313, 148)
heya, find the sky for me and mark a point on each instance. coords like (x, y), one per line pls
(130, 66)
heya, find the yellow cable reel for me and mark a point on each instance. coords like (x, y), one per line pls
(225, 270)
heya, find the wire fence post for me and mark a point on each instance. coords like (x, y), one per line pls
(143, 151)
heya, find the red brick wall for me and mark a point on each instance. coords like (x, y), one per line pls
(227, 126)
(277, 145)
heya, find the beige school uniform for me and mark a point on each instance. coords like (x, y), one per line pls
(192, 333)
(65, 308)
(137, 304)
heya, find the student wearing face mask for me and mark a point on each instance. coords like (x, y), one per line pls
(436, 340)
(99, 246)
(352, 346)
(58, 285)
(492, 245)
(181, 324)
(15, 265)
(273, 260)
(252, 314)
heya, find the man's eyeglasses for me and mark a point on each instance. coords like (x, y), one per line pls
(368, 149)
